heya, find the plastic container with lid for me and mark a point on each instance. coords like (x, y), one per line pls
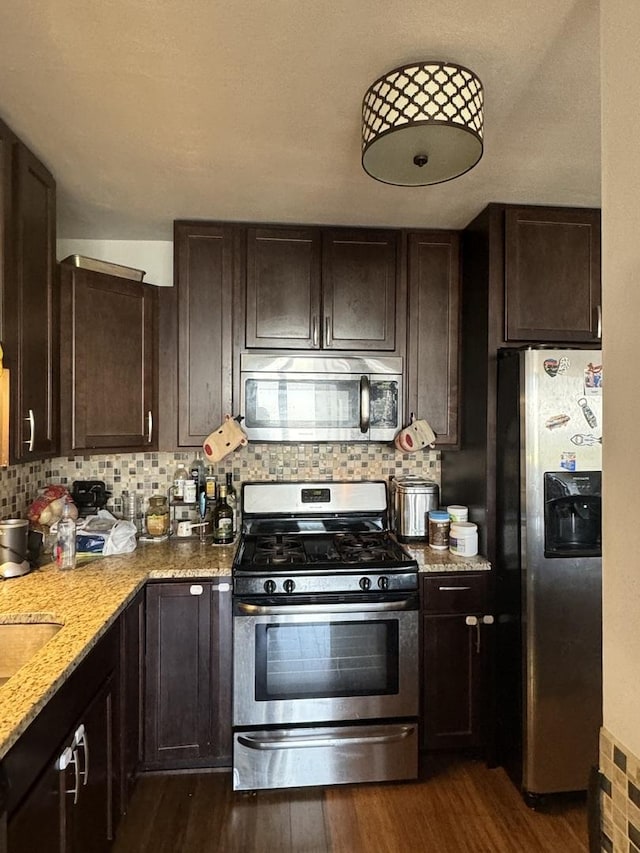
(463, 539)
(439, 524)
(458, 513)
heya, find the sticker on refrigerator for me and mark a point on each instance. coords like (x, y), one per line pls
(585, 439)
(593, 378)
(587, 411)
(568, 460)
(557, 421)
(553, 366)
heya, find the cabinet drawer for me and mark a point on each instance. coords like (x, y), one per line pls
(459, 593)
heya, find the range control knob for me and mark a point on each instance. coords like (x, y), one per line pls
(365, 583)
(383, 582)
(269, 587)
(289, 585)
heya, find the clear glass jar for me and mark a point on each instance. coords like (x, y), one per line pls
(157, 516)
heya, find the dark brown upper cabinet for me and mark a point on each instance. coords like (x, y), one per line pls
(283, 288)
(108, 363)
(330, 289)
(433, 296)
(196, 333)
(552, 275)
(31, 310)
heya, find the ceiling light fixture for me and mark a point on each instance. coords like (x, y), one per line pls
(422, 124)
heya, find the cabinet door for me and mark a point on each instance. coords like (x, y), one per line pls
(202, 300)
(131, 696)
(90, 820)
(552, 275)
(451, 679)
(283, 288)
(37, 824)
(7, 144)
(433, 331)
(221, 711)
(33, 317)
(107, 362)
(178, 675)
(359, 283)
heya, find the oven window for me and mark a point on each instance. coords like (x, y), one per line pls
(326, 659)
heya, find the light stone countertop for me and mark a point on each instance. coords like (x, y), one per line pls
(444, 561)
(86, 601)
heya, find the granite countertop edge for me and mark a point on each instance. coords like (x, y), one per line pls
(87, 600)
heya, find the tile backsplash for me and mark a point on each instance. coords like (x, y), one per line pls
(619, 796)
(152, 473)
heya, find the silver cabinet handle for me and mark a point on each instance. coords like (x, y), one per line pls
(221, 587)
(453, 589)
(293, 742)
(315, 332)
(32, 430)
(70, 756)
(195, 589)
(599, 322)
(327, 331)
(149, 426)
(487, 620)
(365, 404)
(81, 739)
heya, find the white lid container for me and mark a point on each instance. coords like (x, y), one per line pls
(458, 513)
(463, 539)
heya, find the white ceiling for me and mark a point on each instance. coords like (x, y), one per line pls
(148, 111)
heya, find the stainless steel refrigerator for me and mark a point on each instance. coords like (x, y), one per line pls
(548, 572)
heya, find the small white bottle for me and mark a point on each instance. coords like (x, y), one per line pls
(179, 479)
(66, 540)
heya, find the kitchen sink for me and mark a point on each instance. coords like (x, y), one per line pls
(19, 641)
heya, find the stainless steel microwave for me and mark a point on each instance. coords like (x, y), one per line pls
(321, 398)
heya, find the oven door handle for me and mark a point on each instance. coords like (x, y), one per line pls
(311, 609)
(391, 735)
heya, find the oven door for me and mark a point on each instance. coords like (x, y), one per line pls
(324, 661)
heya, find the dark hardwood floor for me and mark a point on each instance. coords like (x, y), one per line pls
(458, 806)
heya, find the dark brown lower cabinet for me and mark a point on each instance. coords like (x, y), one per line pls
(63, 772)
(69, 776)
(455, 626)
(188, 675)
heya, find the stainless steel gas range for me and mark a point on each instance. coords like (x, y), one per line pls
(325, 639)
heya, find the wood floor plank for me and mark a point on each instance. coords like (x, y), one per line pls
(458, 806)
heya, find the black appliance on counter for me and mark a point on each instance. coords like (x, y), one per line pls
(89, 496)
(325, 639)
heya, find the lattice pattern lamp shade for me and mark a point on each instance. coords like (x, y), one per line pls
(422, 124)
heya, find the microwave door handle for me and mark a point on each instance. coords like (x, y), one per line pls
(365, 404)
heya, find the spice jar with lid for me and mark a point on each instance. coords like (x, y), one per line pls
(157, 516)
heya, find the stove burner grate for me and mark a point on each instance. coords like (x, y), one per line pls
(278, 550)
(363, 547)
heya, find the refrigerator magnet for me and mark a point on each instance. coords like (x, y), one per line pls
(568, 460)
(557, 421)
(593, 379)
(587, 411)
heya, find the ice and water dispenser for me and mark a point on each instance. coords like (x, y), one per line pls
(573, 514)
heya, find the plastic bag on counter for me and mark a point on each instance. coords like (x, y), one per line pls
(104, 534)
(122, 539)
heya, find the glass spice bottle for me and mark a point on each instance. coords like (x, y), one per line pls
(157, 516)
